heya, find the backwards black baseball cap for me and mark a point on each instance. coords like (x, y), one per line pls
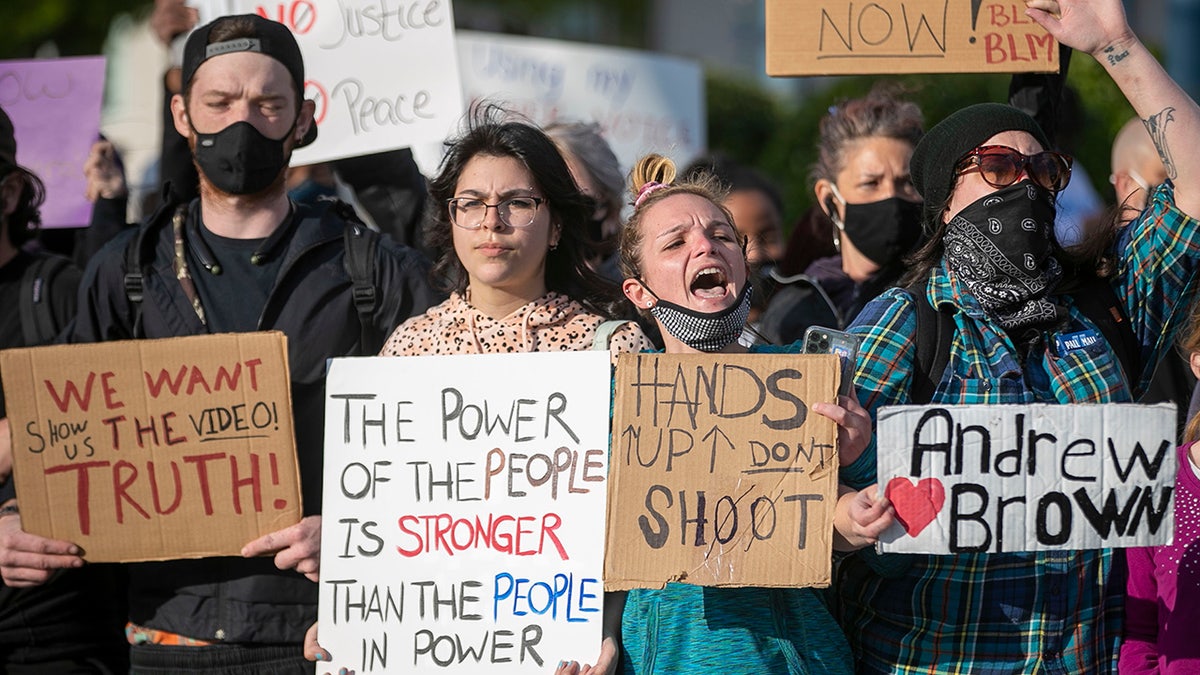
(264, 36)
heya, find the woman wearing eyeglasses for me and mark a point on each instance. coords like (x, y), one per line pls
(993, 268)
(511, 230)
(509, 222)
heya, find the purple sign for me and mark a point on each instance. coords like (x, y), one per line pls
(55, 108)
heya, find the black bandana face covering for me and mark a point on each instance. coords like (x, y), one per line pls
(707, 332)
(1000, 247)
(239, 159)
(884, 230)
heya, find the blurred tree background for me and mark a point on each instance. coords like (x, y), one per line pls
(745, 122)
(779, 137)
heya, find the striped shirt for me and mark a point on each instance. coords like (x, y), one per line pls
(984, 614)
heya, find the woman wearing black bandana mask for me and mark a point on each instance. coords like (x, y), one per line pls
(1015, 333)
(861, 180)
(685, 265)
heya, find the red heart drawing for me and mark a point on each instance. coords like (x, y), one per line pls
(916, 505)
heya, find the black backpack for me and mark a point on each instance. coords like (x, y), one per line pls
(361, 243)
(935, 331)
(38, 323)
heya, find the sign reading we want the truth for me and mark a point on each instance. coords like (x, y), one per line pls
(721, 474)
(463, 518)
(154, 449)
(1000, 478)
(852, 37)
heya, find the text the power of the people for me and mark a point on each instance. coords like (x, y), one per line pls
(464, 511)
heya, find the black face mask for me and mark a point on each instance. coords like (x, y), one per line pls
(1001, 248)
(239, 159)
(884, 231)
(704, 331)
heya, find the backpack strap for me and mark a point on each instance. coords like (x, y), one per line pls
(935, 333)
(361, 245)
(38, 323)
(1096, 299)
(138, 254)
(604, 333)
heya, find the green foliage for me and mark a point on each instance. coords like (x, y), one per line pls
(77, 28)
(742, 115)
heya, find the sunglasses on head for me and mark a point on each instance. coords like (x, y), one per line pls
(1001, 166)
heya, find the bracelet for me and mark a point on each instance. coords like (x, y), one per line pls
(9, 510)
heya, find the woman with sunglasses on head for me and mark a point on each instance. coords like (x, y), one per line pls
(511, 229)
(992, 268)
(685, 266)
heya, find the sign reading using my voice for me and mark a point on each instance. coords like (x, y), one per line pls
(154, 449)
(1000, 478)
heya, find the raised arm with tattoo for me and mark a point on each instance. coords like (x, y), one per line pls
(1170, 115)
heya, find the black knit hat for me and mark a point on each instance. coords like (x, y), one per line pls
(937, 154)
(8, 142)
(270, 38)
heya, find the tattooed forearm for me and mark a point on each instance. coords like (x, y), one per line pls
(1114, 57)
(1157, 126)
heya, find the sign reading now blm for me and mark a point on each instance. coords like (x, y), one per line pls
(154, 449)
(463, 518)
(1001, 478)
(845, 37)
(721, 473)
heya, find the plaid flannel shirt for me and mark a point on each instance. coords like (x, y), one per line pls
(983, 614)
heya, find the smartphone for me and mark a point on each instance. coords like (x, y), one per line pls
(822, 340)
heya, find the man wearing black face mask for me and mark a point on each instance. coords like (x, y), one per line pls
(241, 257)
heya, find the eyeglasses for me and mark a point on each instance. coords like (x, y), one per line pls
(469, 213)
(1001, 166)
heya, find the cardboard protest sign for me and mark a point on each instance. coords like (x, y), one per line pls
(463, 516)
(843, 37)
(154, 449)
(54, 105)
(384, 76)
(721, 474)
(643, 102)
(1000, 478)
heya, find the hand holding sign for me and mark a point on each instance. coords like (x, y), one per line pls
(29, 560)
(605, 665)
(854, 427)
(296, 548)
(861, 517)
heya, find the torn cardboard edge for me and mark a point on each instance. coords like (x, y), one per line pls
(154, 449)
(736, 432)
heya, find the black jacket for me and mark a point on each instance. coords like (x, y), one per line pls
(231, 599)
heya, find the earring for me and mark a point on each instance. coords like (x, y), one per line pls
(649, 305)
(554, 246)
